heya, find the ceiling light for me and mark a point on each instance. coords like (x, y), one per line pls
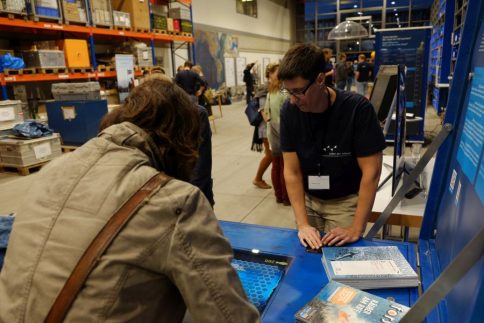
(396, 14)
(393, 2)
(355, 6)
(360, 13)
(357, 43)
(395, 9)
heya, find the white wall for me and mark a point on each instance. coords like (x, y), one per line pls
(272, 19)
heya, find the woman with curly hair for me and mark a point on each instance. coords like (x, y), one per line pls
(170, 256)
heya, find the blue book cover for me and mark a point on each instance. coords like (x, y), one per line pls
(369, 267)
(340, 303)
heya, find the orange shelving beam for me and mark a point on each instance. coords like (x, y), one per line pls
(4, 79)
(20, 23)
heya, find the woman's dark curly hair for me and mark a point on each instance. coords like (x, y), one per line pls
(166, 113)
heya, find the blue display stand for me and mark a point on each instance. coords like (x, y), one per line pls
(455, 208)
(305, 275)
(410, 47)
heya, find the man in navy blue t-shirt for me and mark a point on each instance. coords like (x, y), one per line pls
(362, 75)
(332, 147)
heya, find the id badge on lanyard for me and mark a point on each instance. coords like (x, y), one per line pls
(318, 182)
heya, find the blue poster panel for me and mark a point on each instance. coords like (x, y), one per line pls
(471, 141)
(411, 48)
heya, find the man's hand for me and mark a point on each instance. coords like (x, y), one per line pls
(309, 235)
(340, 236)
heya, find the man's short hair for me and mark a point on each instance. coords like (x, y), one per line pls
(342, 56)
(188, 64)
(303, 60)
(362, 56)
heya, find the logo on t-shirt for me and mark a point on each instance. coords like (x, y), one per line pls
(334, 151)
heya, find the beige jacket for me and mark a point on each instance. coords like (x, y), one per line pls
(170, 254)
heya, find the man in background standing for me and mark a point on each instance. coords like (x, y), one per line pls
(341, 72)
(363, 72)
(189, 81)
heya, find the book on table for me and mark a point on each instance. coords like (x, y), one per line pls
(337, 302)
(369, 267)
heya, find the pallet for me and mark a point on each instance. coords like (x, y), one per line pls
(122, 28)
(47, 19)
(186, 34)
(23, 170)
(141, 30)
(160, 31)
(103, 26)
(174, 33)
(73, 22)
(20, 71)
(13, 15)
(104, 68)
(68, 149)
(79, 69)
(51, 70)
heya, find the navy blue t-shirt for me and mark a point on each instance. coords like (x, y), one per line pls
(328, 143)
(364, 69)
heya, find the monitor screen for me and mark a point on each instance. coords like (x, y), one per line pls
(400, 130)
(384, 90)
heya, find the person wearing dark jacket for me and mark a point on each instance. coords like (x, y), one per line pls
(189, 81)
(249, 82)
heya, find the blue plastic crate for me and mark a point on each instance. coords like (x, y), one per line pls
(47, 12)
(76, 121)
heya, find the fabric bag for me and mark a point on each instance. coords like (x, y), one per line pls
(252, 113)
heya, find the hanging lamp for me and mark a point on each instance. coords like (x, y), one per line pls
(348, 30)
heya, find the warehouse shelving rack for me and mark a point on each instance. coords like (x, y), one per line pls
(459, 20)
(442, 17)
(92, 33)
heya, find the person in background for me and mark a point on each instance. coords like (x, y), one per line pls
(260, 141)
(189, 81)
(341, 72)
(362, 75)
(272, 109)
(204, 87)
(249, 82)
(332, 147)
(350, 72)
(170, 256)
(201, 176)
(328, 67)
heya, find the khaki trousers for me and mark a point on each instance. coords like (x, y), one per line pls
(329, 214)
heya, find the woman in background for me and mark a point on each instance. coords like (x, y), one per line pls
(274, 102)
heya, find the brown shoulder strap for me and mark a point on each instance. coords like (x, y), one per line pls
(98, 246)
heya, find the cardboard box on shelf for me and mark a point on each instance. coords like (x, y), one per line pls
(138, 10)
(169, 24)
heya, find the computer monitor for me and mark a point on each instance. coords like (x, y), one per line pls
(400, 130)
(384, 89)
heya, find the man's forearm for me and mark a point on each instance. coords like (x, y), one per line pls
(295, 190)
(366, 198)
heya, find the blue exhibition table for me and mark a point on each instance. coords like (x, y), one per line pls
(305, 274)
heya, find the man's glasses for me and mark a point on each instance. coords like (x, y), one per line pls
(297, 92)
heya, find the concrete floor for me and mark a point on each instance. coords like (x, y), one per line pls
(234, 167)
